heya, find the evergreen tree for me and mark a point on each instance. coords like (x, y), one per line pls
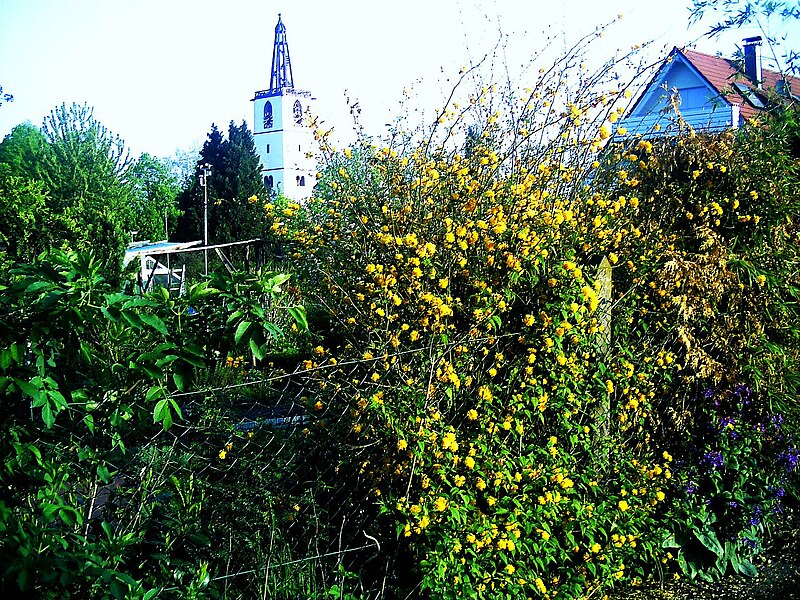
(235, 190)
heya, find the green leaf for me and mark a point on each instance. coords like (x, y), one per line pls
(47, 415)
(298, 313)
(88, 420)
(103, 473)
(180, 381)
(5, 359)
(22, 580)
(241, 330)
(152, 371)
(233, 317)
(194, 355)
(154, 392)
(274, 283)
(176, 408)
(154, 322)
(27, 388)
(36, 286)
(709, 539)
(161, 410)
(58, 399)
(133, 319)
(256, 349)
(748, 568)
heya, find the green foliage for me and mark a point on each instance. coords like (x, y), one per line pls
(155, 190)
(735, 469)
(73, 182)
(91, 373)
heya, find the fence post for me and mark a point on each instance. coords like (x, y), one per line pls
(604, 346)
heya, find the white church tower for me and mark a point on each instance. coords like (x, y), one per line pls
(284, 140)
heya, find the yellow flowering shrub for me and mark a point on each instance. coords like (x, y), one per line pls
(509, 323)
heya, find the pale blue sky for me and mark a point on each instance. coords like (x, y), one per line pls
(159, 72)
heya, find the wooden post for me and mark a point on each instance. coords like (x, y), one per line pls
(604, 308)
(604, 347)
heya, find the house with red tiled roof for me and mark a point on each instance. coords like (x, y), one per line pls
(710, 93)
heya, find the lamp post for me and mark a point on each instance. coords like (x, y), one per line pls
(205, 171)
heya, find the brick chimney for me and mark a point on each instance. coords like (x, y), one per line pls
(752, 59)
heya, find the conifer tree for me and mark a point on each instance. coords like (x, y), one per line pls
(234, 182)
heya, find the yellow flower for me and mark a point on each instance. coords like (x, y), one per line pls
(402, 445)
(596, 548)
(470, 462)
(440, 504)
(623, 505)
(472, 414)
(223, 454)
(510, 569)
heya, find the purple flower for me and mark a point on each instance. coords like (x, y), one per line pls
(713, 459)
(749, 542)
(789, 458)
(708, 393)
(691, 488)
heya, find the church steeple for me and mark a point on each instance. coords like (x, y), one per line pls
(281, 76)
(281, 128)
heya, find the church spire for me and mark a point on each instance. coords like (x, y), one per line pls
(281, 76)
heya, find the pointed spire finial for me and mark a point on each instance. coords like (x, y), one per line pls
(281, 75)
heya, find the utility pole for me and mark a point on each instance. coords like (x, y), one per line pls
(205, 171)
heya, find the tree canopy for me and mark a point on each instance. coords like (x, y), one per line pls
(72, 183)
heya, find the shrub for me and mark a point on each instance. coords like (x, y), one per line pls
(519, 314)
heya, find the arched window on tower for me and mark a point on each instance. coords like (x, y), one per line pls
(269, 182)
(268, 115)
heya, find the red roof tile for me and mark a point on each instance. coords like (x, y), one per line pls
(722, 73)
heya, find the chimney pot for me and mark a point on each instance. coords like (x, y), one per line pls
(752, 59)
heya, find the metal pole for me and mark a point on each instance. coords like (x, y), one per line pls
(205, 171)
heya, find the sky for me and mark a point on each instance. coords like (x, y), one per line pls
(159, 72)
